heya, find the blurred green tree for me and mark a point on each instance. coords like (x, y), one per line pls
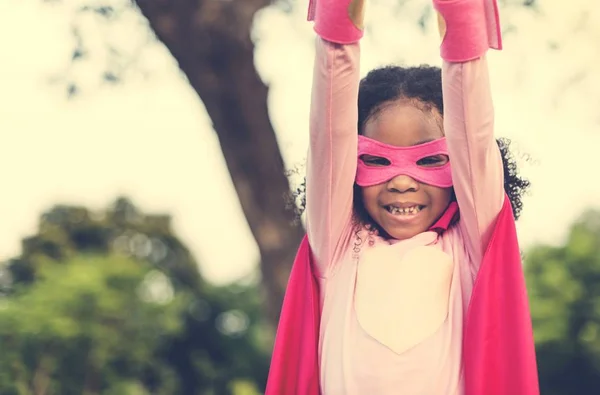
(115, 296)
(65, 231)
(89, 324)
(564, 289)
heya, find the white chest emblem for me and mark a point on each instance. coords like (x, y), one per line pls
(402, 299)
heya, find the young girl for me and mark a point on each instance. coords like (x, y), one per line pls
(410, 279)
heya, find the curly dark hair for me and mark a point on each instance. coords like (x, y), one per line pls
(421, 85)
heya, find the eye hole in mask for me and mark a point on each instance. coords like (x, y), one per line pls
(374, 161)
(433, 161)
(430, 161)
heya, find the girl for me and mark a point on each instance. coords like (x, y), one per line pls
(434, 301)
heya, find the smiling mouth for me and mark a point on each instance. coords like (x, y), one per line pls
(404, 211)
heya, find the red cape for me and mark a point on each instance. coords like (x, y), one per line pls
(498, 347)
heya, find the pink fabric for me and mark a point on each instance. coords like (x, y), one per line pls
(404, 160)
(447, 219)
(498, 344)
(472, 27)
(295, 359)
(294, 362)
(332, 21)
(400, 305)
(297, 333)
(499, 350)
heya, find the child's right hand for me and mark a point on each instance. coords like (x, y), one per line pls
(338, 21)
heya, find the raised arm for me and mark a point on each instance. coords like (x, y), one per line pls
(333, 144)
(471, 27)
(476, 163)
(333, 122)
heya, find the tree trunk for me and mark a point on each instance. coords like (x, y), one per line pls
(211, 41)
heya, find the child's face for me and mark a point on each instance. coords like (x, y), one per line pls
(402, 124)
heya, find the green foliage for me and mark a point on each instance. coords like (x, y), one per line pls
(564, 289)
(87, 325)
(65, 231)
(112, 302)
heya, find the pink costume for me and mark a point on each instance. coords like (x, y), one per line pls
(444, 312)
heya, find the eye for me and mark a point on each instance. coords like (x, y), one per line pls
(433, 161)
(370, 160)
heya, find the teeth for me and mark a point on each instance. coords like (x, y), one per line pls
(404, 211)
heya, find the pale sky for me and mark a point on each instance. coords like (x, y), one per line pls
(151, 138)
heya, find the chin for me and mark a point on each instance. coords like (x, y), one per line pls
(402, 234)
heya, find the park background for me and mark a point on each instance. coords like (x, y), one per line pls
(144, 231)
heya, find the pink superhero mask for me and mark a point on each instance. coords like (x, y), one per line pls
(395, 161)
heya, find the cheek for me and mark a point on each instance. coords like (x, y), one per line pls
(440, 196)
(369, 195)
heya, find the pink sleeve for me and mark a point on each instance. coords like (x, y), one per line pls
(477, 169)
(333, 145)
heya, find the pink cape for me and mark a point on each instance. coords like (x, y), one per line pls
(498, 347)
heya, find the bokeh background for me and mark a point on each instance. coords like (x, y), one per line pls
(147, 149)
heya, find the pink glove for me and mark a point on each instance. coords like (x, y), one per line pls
(471, 28)
(338, 21)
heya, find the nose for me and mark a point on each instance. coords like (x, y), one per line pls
(402, 183)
